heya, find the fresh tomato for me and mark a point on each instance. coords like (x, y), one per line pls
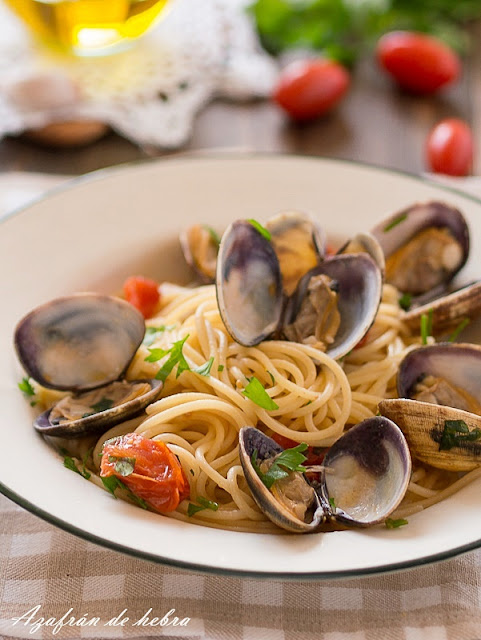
(157, 476)
(449, 148)
(142, 293)
(418, 62)
(363, 341)
(309, 88)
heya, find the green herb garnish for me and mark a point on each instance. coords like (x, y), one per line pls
(256, 392)
(111, 483)
(332, 502)
(220, 367)
(203, 503)
(461, 326)
(395, 222)
(426, 326)
(262, 230)
(69, 463)
(215, 237)
(204, 369)
(176, 357)
(456, 433)
(102, 405)
(123, 466)
(288, 460)
(395, 524)
(26, 387)
(152, 333)
(405, 301)
(272, 377)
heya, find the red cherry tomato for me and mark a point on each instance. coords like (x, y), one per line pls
(418, 62)
(449, 148)
(143, 294)
(157, 475)
(309, 88)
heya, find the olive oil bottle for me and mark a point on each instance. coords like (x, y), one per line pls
(88, 27)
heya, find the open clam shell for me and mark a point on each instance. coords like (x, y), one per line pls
(359, 290)
(299, 244)
(250, 440)
(99, 422)
(79, 342)
(365, 242)
(200, 245)
(433, 263)
(248, 284)
(366, 473)
(432, 429)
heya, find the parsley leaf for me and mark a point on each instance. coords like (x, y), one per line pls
(111, 483)
(405, 301)
(152, 333)
(461, 326)
(26, 387)
(256, 392)
(332, 503)
(456, 433)
(203, 503)
(395, 524)
(215, 237)
(69, 463)
(262, 230)
(220, 367)
(176, 356)
(426, 326)
(395, 222)
(102, 405)
(287, 460)
(272, 377)
(204, 369)
(123, 466)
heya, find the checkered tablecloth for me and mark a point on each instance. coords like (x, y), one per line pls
(51, 575)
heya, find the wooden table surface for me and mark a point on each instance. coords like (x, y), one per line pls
(376, 123)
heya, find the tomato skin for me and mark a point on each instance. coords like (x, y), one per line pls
(143, 294)
(450, 148)
(157, 478)
(419, 63)
(307, 89)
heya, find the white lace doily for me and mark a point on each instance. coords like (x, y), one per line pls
(150, 93)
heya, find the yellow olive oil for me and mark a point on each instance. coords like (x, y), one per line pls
(88, 26)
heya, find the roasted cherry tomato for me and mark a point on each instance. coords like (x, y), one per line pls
(449, 148)
(308, 89)
(148, 468)
(418, 62)
(143, 294)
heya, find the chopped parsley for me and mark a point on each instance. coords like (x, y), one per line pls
(395, 222)
(288, 460)
(272, 377)
(214, 236)
(405, 301)
(426, 326)
(123, 466)
(26, 387)
(395, 524)
(220, 367)
(258, 227)
(202, 503)
(204, 369)
(111, 483)
(461, 326)
(456, 433)
(102, 405)
(176, 357)
(69, 463)
(332, 503)
(256, 392)
(152, 333)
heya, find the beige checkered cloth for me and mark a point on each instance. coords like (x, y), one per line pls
(41, 566)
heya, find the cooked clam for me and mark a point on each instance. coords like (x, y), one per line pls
(332, 307)
(439, 405)
(84, 343)
(366, 243)
(364, 477)
(424, 246)
(299, 245)
(200, 245)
